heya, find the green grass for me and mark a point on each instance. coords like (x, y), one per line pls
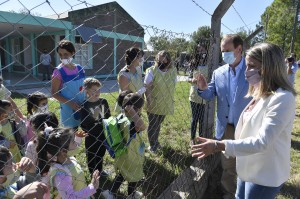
(291, 189)
(161, 169)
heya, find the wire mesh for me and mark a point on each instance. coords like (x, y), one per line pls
(25, 35)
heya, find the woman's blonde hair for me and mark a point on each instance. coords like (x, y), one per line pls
(273, 70)
(166, 55)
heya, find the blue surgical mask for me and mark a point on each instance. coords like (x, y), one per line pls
(253, 76)
(228, 57)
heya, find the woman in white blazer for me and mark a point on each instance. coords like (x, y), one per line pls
(263, 134)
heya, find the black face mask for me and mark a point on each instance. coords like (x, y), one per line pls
(162, 66)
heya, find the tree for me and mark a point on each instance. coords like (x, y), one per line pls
(24, 11)
(201, 36)
(159, 43)
(174, 45)
(278, 21)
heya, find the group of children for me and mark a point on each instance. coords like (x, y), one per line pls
(38, 149)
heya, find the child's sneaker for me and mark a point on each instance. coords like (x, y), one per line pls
(155, 148)
(151, 149)
(136, 195)
(108, 195)
(105, 173)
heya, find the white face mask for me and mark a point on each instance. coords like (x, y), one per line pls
(11, 178)
(66, 61)
(228, 57)
(11, 115)
(142, 62)
(43, 109)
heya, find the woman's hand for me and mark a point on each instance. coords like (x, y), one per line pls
(95, 179)
(205, 148)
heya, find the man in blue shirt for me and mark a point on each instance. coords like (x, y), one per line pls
(228, 84)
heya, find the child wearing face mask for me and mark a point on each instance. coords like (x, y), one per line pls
(5, 94)
(14, 130)
(65, 174)
(130, 76)
(37, 102)
(39, 122)
(93, 111)
(67, 85)
(129, 165)
(10, 179)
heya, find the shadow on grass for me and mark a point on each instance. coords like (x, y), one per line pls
(176, 157)
(158, 176)
(16, 95)
(295, 145)
(290, 190)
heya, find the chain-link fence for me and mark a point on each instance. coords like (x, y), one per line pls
(106, 43)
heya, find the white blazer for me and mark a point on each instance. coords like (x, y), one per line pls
(262, 145)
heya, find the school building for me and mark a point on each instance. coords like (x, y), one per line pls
(101, 35)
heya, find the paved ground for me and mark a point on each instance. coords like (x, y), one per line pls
(108, 87)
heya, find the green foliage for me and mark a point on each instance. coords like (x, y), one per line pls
(278, 20)
(24, 11)
(201, 36)
(174, 45)
(290, 189)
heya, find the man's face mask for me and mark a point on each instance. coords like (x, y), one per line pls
(228, 57)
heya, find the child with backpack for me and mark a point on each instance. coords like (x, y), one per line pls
(128, 162)
(65, 174)
(93, 111)
(13, 131)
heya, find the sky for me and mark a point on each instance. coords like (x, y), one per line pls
(180, 16)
